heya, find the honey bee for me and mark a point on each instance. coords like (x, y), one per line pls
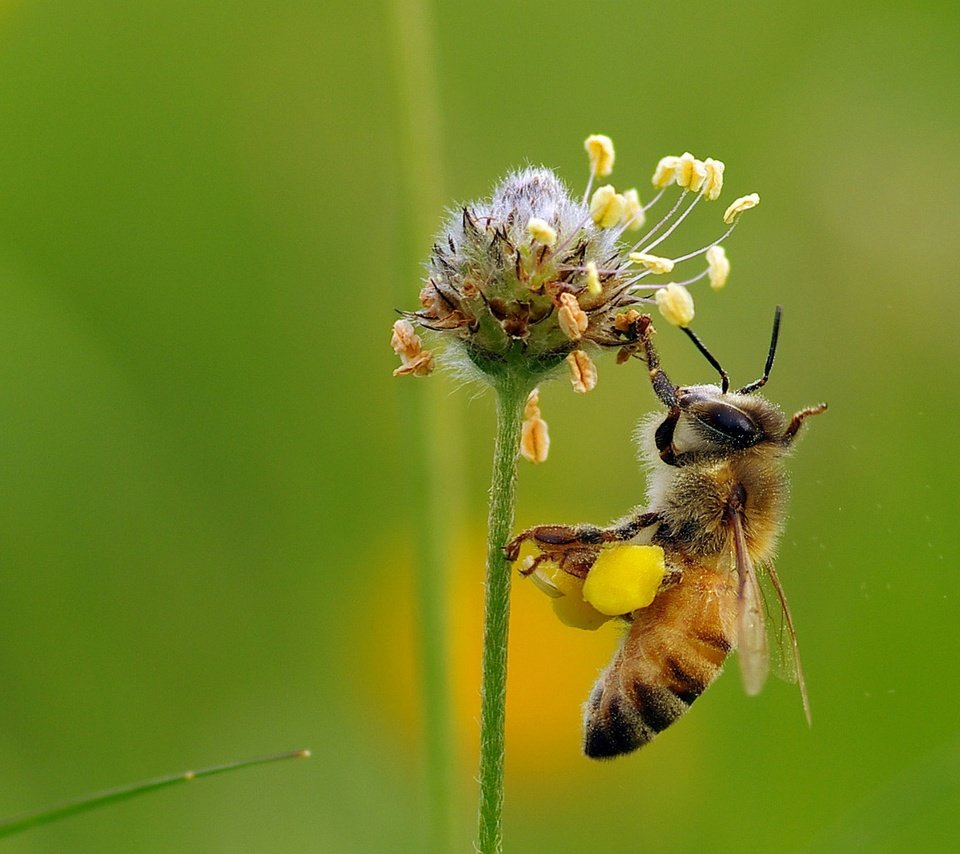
(716, 504)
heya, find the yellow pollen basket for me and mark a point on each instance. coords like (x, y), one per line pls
(624, 578)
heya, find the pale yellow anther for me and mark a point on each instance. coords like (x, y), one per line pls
(534, 435)
(738, 206)
(540, 230)
(654, 263)
(600, 151)
(624, 578)
(691, 173)
(607, 206)
(718, 267)
(571, 318)
(405, 341)
(714, 180)
(583, 373)
(633, 215)
(675, 304)
(594, 288)
(666, 172)
(407, 345)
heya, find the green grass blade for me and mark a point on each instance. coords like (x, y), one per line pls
(19, 823)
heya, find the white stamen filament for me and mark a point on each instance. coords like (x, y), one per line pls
(676, 205)
(669, 231)
(709, 246)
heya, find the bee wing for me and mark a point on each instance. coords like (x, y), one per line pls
(752, 649)
(789, 654)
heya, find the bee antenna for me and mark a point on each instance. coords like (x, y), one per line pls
(724, 378)
(752, 387)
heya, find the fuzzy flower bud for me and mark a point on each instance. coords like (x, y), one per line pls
(541, 231)
(583, 373)
(718, 267)
(607, 206)
(600, 151)
(738, 206)
(675, 304)
(654, 263)
(633, 215)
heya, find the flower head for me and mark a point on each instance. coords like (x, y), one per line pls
(524, 279)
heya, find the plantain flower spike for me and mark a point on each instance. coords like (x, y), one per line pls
(531, 277)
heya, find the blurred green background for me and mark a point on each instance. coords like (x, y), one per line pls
(207, 521)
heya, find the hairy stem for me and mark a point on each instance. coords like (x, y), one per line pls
(511, 396)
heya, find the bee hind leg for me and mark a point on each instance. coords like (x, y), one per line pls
(555, 540)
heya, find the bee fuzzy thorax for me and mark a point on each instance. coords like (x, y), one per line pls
(694, 499)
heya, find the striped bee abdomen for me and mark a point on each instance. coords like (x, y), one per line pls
(673, 650)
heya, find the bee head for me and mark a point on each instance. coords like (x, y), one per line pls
(712, 420)
(717, 418)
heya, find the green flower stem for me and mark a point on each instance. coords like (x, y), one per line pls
(512, 391)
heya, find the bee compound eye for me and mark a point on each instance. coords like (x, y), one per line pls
(735, 426)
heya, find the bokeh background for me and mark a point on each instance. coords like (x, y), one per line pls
(208, 214)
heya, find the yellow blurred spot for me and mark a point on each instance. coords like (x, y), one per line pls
(624, 578)
(552, 667)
